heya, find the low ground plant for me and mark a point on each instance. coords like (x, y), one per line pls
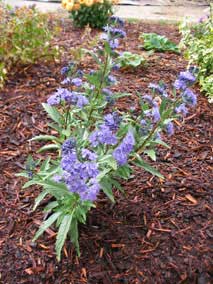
(130, 60)
(94, 13)
(24, 38)
(155, 42)
(197, 44)
(97, 145)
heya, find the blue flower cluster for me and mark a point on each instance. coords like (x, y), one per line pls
(115, 32)
(121, 153)
(189, 99)
(69, 97)
(79, 177)
(159, 89)
(112, 120)
(116, 21)
(111, 34)
(103, 136)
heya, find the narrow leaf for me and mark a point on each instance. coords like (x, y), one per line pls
(46, 224)
(39, 198)
(62, 234)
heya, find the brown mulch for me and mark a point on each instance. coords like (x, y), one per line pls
(160, 232)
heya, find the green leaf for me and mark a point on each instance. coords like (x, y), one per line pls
(141, 163)
(106, 186)
(51, 206)
(45, 165)
(160, 142)
(45, 138)
(151, 153)
(52, 112)
(39, 198)
(124, 172)
(22, 174)
(46, 224)
(74, 235)
(117, 185)
(62, 234)
(30, 182)
(48, 148)
(56, 189)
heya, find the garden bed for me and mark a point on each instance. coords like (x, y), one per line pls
(160, 232)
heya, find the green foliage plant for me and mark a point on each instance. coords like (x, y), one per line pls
(155, 42)
(24, 38)
(128, 59)
(197, 44)
(93, 13)
(97, 145)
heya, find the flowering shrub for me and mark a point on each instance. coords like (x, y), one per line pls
(197, 44)
(97, 144)
(24, 38)
(94, 13)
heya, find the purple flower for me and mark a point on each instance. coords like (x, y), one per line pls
(155, 114)
(68, 147)
(116, 67)
(111, 79)
(187, 77)
(184, 80)
(122, 152)
(81, 101)
(57, 97)
(107, 92)
(87, 154)
(77, 82)
(180, 84)
(181, 109)
(54, 99)
(112, 120)
(117, 21)
(92, 191)
(115, 32)
(170, 128)
(66, 81)
(64, 70)
(80, 73)
(148, 99)
(114, 43)
(80, 177)
(89, 170)
(189, 98)
(160, 90)
(102, 136)
(68, 162)
(145, 127)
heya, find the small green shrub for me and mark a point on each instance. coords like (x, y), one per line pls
(24, 38)
(152, 41)
(129, 59)
(89, 12)
(197, 43)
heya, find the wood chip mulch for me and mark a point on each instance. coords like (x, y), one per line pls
(160, 232)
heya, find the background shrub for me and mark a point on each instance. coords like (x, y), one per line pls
(24, 38)
(94, 13)
(197, 43)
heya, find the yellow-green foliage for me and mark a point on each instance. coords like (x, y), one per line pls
(24, 38)
(197, 43)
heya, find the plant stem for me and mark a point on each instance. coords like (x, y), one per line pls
(100, 86)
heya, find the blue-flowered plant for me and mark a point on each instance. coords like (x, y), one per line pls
(98, 144)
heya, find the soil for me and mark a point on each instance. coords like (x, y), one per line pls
(160, 232)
